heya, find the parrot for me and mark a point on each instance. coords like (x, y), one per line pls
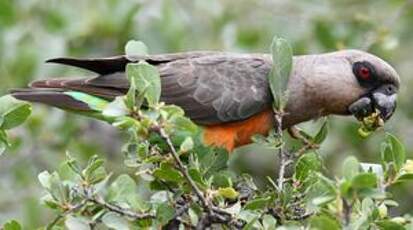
(228, 94)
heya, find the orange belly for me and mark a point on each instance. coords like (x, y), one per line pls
(234, 134)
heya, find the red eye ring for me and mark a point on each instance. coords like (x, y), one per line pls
(364, 73)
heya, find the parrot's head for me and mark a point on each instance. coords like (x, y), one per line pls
(352, 82)
(378, 83)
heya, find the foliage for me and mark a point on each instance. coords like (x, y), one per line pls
(282, 57)
(33, 31)
(191, 185)
(12, 114)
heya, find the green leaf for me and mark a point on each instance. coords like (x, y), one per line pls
(44, 179)
(228, 193)
(121, 188)
(76, 223)
(390, 225)
(269, 222)
(13, 112)
(393, 151)
(58, 190)
(116, 108)
(49, 201)
(282, 57)
(164, 213)
(322, 190)
(250, 217)
(323, 222)
(94, 171)
(73, 164)
(258, 203)
(322, 133)
(4, 142)
(364, 180)
(160, 197)
(187, 145)
(146, 78)
(197, 177)
(305, 165)
(114, 221)
(183, 126)
(351, 167)
(12, 225)
(135, 48)
(168, 173)
(172, 110)
(405, 177)
(212, 160)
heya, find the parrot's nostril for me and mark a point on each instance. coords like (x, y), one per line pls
(389, 89)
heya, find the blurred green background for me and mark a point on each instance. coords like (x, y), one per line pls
(32, 31)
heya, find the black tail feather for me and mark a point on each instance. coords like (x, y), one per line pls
(101, 66)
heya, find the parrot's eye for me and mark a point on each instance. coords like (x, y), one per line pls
(364, 72)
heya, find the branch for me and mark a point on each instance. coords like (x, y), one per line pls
(285, 161)
(303, 216)
(119, 210)
(67, 212)
(346, 212)
(284, 158)
(307, 143)
(182, 168)
(213, 213)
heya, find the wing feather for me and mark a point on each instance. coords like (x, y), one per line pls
(211, 87)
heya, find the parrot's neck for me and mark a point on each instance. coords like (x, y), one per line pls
(317, 84)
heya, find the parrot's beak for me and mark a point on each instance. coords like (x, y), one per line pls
(382, 99)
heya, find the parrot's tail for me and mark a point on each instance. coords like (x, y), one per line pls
(68, 94)
(53, 97)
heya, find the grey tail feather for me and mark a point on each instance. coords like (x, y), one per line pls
(79, 84)
(53, 97)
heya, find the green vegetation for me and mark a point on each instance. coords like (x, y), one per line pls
(102, 183)
(190, 185)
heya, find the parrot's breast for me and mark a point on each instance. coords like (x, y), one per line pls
(233, 134)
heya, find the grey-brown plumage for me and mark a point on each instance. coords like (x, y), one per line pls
(215, 87)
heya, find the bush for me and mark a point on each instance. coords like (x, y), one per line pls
(190, 185)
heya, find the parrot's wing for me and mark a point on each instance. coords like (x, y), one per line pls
(217, 88)
(212, 87)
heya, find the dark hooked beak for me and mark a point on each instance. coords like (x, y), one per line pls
(382, 98)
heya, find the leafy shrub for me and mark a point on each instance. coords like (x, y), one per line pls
(190, 185)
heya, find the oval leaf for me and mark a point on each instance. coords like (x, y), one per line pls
(114, 221)
(282, 58)
(146, 79)
(133, 49)
(13, 112)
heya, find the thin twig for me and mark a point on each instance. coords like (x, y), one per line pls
(182, 168)
(183, 209)
(119, 210)
(302, 217)
(281, 174)
(305, 148)
(61, 215)
(284, 161)
(307, 143)
(213, 213)
(346, 212)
